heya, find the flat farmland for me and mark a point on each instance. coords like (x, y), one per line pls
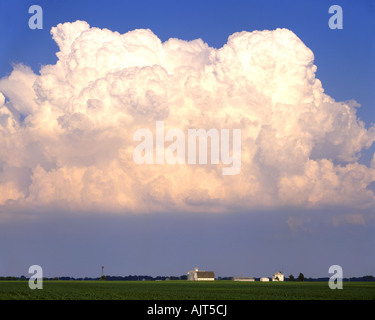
(184, 290)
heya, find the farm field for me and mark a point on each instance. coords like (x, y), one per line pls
(184, 290)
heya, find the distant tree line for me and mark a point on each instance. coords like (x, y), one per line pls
(106, 278)
(301, 277)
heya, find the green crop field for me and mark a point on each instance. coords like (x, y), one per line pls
(185, 290)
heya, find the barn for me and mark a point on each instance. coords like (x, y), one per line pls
(200, 275)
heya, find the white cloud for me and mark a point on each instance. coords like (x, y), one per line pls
(355, 218)
(66, 134)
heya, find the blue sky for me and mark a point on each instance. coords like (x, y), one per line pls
(251, 245)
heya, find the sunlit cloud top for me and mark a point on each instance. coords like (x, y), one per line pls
(66, 134)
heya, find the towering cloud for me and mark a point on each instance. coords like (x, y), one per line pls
(66, 135)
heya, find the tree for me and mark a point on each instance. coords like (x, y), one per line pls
(291, 278)
(301, 277)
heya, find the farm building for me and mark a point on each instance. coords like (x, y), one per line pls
(243, 279)
(264, 279)
(200, 275)
(278, 276)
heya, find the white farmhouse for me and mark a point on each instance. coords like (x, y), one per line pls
(278, 276)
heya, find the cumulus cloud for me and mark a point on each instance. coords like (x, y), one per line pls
(66, 135)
